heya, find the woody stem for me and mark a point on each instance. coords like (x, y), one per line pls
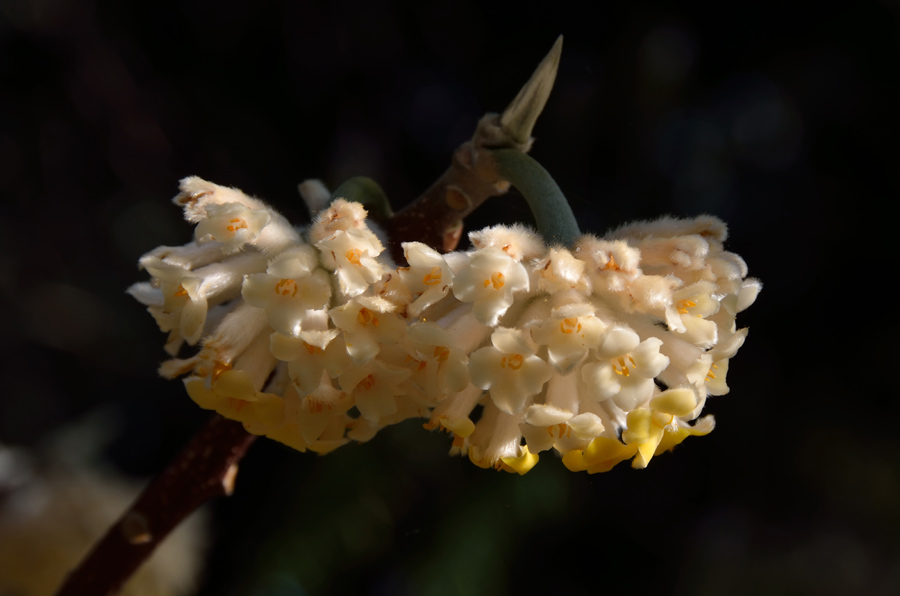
(205, 468)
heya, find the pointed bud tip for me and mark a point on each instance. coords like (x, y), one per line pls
(519, 118)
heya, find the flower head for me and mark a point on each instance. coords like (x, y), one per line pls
(603, 351)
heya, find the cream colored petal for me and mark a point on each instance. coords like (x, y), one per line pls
(601, 379)
(512, 341)
(634, 392)
(700, 332)
(586, 425)
(649, 361)
(619, 340)
(259, 289)
(544, 415)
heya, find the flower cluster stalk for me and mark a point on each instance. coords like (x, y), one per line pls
(552, 213)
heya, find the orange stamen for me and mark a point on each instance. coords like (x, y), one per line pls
(570, 325)
(368, 382)
(237, 224)
(365, 316)
(353, 255)
(611, 265)
(286, 287)
(624, 370)
(513, 361)
(684, 305)
(433, 278)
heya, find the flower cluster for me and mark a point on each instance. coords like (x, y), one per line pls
(603, 351)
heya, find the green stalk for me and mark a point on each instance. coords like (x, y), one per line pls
(554, 218)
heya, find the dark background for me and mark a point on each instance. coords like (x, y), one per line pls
(779, 117)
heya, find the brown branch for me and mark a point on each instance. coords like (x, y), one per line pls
(205, 469)
(436, 218)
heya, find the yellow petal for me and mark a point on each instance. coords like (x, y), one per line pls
(602, 454)
(704, 426)
(237, 384)
(677, 402)
(204, 397)
(523, 463)
(574, 460)
(462, 427)
(265, 414)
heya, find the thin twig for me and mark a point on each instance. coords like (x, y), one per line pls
(205, 469)
(436, 217)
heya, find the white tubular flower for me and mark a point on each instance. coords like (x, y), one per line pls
(367, 323)
(610, 264)
(625, 368)
(680, 252)
(290, 287)
(490, 282)
(227, 215)
(509, 369)
(232, 337)
(230, 389)
(312, 412)
(188, 257)
(393, 289)
(452, 415)
(559, 422)
(198, 194)
(745, 296)
(348, 246)
(689, 312)
(438, 367)
(375, 388)
(351, 255)
(517, 241)
(428, 276)
(316, 422)
(541, 431)
(341, 216)
(231, 224)
(704, 226)
(569, 333)
(715, 378)
(560, 271)
(496, 442)
(181, 298)
(308, 358)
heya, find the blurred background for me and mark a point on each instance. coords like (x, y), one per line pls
(778, 117)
